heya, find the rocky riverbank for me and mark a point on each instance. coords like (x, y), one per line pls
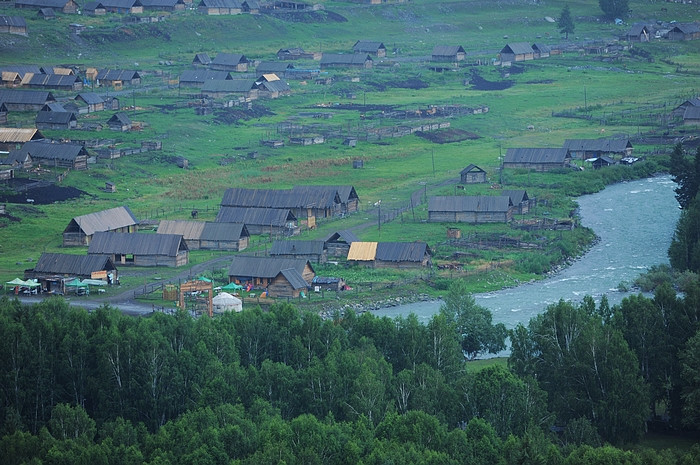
(330, 309)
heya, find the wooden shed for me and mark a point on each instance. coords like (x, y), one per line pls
(220, 7)
(25, 100)
(118, 77)
(57, 155)
(119, 122)
(14, 138)
(448, 53)
(15, 24)
(287, 283)
(94, 9)
(538, 159)
(80, 229)
(472, 174)
(52, 270)
(351, 60)
(313, 251)
(244, 88)
(522, 203)
(3, 113)
(230, 62)
(390, 254)
(338, 242)
(583, 149)
(141, 249)
(473, 209)
(638, 33)
(46, 13)
(56, 120)
(261, 220)
(369, 47)
(201, 235)
(261, 271)
(518, 51)
(684, 31)
(64, 6)
(91, 101)
(201, 59)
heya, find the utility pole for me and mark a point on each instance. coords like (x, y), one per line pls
(433, 155)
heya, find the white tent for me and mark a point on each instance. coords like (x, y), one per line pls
(225, 302)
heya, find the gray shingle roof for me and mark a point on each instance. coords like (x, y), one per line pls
(517, 196)
(367, 46)
(276, 217)
(49, 151)
(120, 118)
(202, 58)
(55, 117)
(105, 220)
(598, 145)
(116, 74)
(273, 67)
(447, 50)
(235, 4)
(691, 113)
(536, 155)
(136, 244)
(518, 48)
(471, 168)
(264, 267)
(53, 80)
(228, 85)
(53, 106)
(401, 251)
(300, 247)
(229, 59)
(469, 203)
(91, 98)
(294, 278)
(13, 21)
(58, 4)
(344, 235)
(209, 231)
(30, 97)
(202, 75)
(68, 264)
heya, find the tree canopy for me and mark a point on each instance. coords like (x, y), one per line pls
(613, 9)
(566, 22)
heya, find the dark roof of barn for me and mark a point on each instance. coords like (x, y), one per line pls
(516, 195)
(69, 264)
(298, 197)
(518, 48)
(220, 3)
(401, 251)
(13, 21)
(275, 217)
(300, 247)
(542, 48)
(687, 28)
(691, 113)
(55, 80)
(92, 6)
(136, 244)
(91, 98)
(105, 220)
(229, 59)
(53, 106)
(121, 118)
(637, 29)
(160, 3)
(202, 58)
(47, 12)
(294, 278)
(274, 86)
(367, 46)
(344, 234)
(117, 74)
(55, 117)
(264, 267)
(447, 50)
(201, 75)
(273, 67)
(471, 168)
(28, 97)
(43, 3)
(201, 230)
(48, 150)
(470, 203)
(598, 145)
(21, 69)
(228, 85)
(536, 155)
(344, 59)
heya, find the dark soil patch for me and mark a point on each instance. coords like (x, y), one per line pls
(411, 83)
(447, 136)
(308, 16)
(513, 70)
(541, 81)
(236, 114)
(479, 83)
(43, 195)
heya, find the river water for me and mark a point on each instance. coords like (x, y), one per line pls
(635, 222)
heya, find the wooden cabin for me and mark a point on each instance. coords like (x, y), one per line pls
(538, 159)
(369, 47)
(448, 53)
(57, 155)
(474, 209)
(472, 174)
(518, 51)
(141, 249)
(338, 243)
(313, 251)
(64, 6)
(351, 60)
(230, 62)
(276, 221)
(80, 229)
(52, 270)
(56, 120)
(15, 24)
(201, 235)
(260, 272)
(390, 254)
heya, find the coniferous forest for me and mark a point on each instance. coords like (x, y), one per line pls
(583, 384)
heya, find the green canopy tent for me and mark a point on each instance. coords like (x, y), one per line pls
(231, 287)
(32, 283)
(205, 279)
(15, 282)
(76, 285)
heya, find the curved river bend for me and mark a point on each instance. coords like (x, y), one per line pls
(635, 222)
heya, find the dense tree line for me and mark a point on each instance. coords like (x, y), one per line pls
(288, 386)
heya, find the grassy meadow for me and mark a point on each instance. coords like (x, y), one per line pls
(612, 91)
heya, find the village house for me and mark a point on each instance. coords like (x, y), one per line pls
(276, 221)
(80, 229)
(518, 51)
(273, 67)
(57, 155)
(339, 60)
(584, 149)
(522, 203)
(684, 31)
(13, 25)
(297, 53)
(53, 270)
(14, 138)
(390, 254)
(201, 60)
(12, 75)
(123, 6)
(538, 159)
(271, 86)
(46, 13)
(601, 162)
(472, 174)
(118, 77)
(638, 33)
(52, 81)
(449, 53)
(541, 50)
(313, 251)
(25, 100)
(141, 249)
(474, 209)
(197, 77)
(691, 116)
(242, 88)
(94, 9)
(163, 5)
(64, 6)
(89, 102)
(233, 62)
(18, 161)
(201, 235)
(679, 111)
(369, 47)
(220, 7)
(10, 79)
(53, 106)
(282, 277)
(119, 122)
(56, 120)
(338, 243)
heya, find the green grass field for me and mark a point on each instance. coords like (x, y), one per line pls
(611, 90)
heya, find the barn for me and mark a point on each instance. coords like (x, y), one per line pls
(518, 51)
(449, 53)
(684, 31)
(18, 160)
(313, 251)
(118, 77)
(67, 82)
(472, 174)
(201, 235)
(141, 249)
(52, 270)
(338, 242)
(271, 86)
(541, 50)
(691, 116)
(80, 229)
(197, 77)
(64, 6)
(339, 60)
(220, 7)
(273, 67)
(390, 254)
(201, 59)
(522, 203)
(638, 33)
(90, 102)
(584, 149)
(475, 209)
(226, 88)
(12, 139)
(260, 272)
(56, 120)
(369, 47)
(230, 62)
(25, 100)
(297, 53)
(14, 24)
(538, 159)
(163, 5)
(57, 155)
(119, 122)
(261, 220)
(94, 9)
